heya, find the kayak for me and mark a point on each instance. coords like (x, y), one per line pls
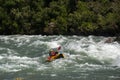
(58, 56)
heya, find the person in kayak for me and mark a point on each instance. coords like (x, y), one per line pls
(54, 52)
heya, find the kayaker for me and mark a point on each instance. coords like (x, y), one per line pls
(54, 51)
(55, 54)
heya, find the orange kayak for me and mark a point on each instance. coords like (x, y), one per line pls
(49, 59)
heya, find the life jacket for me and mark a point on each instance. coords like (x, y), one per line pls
(51, 54)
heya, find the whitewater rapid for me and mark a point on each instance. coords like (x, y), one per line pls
(27, 54)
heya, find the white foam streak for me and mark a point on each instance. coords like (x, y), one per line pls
(55, 42)
(104, 51)
(17, 63)
(116, 62)
(1, 57)
(51, 44)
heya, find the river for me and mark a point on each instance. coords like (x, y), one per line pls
(22, 57)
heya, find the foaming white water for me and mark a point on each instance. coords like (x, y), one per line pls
(1, 57)
(116, 62)
(77, 50)
(104, 52)
(56, 42)
(17, 63)
(16, 38)
(51, 43)
(38, 42)
(80, 44)
(99, 50)
(8, 51)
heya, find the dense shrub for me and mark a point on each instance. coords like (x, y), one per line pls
(67, 17)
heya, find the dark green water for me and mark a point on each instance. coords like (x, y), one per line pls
(23, 57)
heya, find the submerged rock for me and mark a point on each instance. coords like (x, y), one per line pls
(112, 39)
(117, 39)
(109, 40)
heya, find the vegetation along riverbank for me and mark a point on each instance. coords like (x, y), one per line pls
(65, 17)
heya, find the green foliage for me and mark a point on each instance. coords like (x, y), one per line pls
(61, 24)
(59, 16)
(87, 27)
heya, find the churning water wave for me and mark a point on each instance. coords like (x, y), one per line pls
(22, 57)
